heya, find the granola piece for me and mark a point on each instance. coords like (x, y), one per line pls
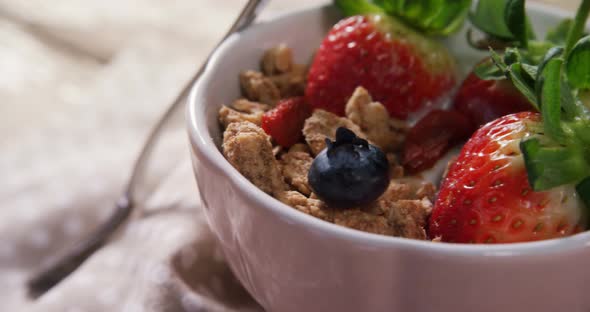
(373, 119)
(294, 167)
(426, 190)
(395, 191)
(299, 147)
(396, 170)
(228, 116)
(249, 150)
(245, 106)
(277, 150)
(277, 60)
(310, 206)
(291, 83)
(406, 204)
(363, 221)
(409, 188)
(256, 87)
(322, 125)
(409, 217)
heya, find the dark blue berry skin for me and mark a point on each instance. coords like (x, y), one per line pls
(349, 172)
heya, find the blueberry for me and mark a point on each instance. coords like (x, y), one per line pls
(349, 172)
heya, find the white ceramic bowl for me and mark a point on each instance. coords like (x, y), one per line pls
(290, 261)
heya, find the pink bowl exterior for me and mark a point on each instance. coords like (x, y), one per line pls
(289, 261)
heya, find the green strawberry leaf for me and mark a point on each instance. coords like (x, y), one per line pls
(512, 68)
(521, 81)
(551, 99)
(577, 29)
(577, 64)
(584, 96)
(571, 108)
(504, 20)
(529, 72)
(552, 53)
(515, 19)
(511, 56)
(536, 50)
(436, 17)
(489, 18)
(489, 71)
(498, 60)
(581, 129)
(557, 79)
(558, 34)
(357, 7)
(583, 189)
(551, 166)
(450, 19)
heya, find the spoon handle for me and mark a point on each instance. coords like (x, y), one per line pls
(56, 270)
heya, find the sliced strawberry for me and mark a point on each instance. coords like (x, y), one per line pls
(284, 122)
(476, 103)
(432, 137)
(486, 196)
(399, 67)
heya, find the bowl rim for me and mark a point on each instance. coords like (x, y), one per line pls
(203, 145)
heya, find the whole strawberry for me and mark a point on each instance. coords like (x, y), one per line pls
(486, 196)
(485, 100)
(400, 67)
(525, 176)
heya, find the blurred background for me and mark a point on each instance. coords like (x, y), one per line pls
(81, 81)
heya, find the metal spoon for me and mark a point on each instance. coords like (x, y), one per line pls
(55, 271)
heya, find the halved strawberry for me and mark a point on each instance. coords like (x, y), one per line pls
(401, 68)
(486, 196)
(284, 122)
(476, 103)
(430, 138)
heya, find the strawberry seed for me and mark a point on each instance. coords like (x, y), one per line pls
(516, 224)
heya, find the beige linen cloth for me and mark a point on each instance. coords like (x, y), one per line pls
(81, 82)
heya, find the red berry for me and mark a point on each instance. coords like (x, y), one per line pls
(476, 103)
(399, 67)
(485, 100)
(284, 122)
(486, 197)
(432, 137)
